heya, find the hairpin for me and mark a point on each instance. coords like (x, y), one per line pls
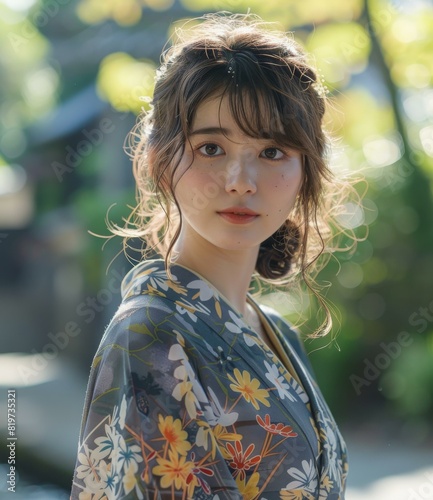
(231, 69)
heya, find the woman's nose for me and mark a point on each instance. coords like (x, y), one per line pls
(240, 177)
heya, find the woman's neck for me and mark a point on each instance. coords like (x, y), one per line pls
(228, 271)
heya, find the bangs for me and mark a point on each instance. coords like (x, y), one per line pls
(264, 115)
(263, 105)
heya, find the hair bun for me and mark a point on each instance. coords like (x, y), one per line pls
(276, 253)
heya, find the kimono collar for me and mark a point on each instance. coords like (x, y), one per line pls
(188, 289)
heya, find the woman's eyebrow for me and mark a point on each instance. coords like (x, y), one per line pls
(211, 131)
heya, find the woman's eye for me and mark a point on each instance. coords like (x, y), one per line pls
(210, 150)
(272, 154)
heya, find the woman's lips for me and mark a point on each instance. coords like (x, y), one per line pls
(238, 215)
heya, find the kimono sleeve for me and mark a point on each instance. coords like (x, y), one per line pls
(144, 434)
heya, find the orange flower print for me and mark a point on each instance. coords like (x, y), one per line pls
(240, 460)
(173, 471)
(249, 388)
(281, 429)
(174, 434)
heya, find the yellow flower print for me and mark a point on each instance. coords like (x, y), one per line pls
(175, 470)
(249, 489)
(215, 435)
(249, 388)
(176, 286)
(129, 480)
(221, 434)
(174, 435)
(218, 309)
(154, 291)
(204, 434)
(85, 495)
(296, 495)
(327, 483)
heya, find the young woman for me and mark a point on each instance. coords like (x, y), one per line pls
(197, 391)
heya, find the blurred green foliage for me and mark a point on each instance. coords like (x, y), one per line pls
(375, 60)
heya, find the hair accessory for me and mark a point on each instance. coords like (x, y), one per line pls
(231, 69)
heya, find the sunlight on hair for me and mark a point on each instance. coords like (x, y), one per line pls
(351, 216)
(287, 305)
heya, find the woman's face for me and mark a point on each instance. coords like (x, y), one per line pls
(234, 191)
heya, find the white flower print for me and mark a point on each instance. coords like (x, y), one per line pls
(122, 413)
(132, 285)
(94, 489)
(89, 461)
(109, 479)
(299, 391)
(251, 340)
(331, 439)
(157, 279)
(236, 326)
(330, 445)
(107, 444)
(130, 482)
(188, 386)
(204, 290)
(101, 477)
(210, 349)
(306, 479)
(276, 379)
(127, 456)
(218, 413)
(189, 309)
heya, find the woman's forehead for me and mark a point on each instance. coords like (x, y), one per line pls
(254, 117)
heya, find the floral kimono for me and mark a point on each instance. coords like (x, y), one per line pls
(185, 401)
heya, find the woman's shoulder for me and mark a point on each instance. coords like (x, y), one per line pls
(288, 332)
(282, 323)
(141, 320)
